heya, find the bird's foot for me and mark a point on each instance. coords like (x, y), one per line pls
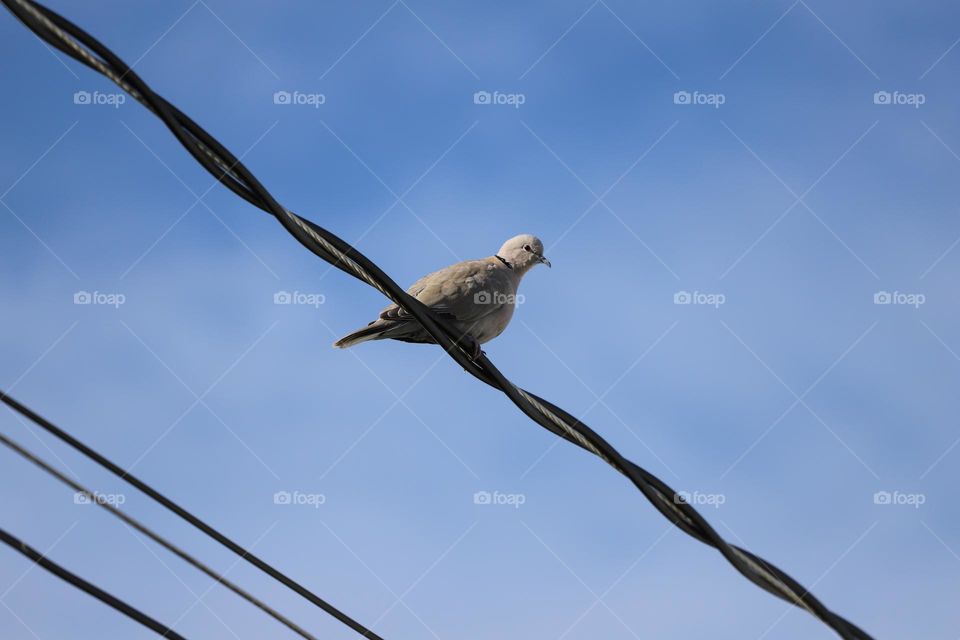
(470, 344)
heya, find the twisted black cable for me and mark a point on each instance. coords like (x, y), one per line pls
(118, 471)
(91, 496)
(95, 591)
(223, 165)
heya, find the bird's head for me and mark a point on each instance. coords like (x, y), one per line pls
(523, 252)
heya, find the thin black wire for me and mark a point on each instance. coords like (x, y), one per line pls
(142, 528)
(118, 471)
(95, 591)
(223, 165)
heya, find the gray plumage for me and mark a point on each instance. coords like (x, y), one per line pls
(477, 296)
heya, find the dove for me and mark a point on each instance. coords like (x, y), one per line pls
(477, 296)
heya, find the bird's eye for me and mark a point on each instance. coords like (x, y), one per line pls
(526, 247)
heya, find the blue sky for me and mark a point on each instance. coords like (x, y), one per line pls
(784, 406)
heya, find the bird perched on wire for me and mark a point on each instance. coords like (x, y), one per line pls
(477, 296)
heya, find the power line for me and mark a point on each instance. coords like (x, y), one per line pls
(92, 496)
(98, 593)
(228, 169)
(169, 504)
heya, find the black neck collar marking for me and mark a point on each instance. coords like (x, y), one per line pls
(504, 261)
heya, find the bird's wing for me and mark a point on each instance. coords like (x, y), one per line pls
(452, 292)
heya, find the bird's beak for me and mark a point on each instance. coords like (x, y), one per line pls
(544, 260)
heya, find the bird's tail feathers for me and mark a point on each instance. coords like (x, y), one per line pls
(371, 332)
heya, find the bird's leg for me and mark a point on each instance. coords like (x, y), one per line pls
(476, 352)
(471, 345)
